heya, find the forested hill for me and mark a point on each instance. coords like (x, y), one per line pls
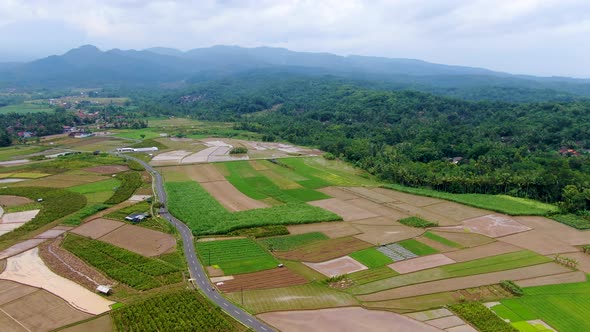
(410, 137)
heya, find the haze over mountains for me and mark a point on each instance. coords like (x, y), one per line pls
(87, 66)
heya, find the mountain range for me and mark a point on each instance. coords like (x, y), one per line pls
(87, 66)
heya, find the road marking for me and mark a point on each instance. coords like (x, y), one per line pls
(250, 320)
(264, 328)
(225, 304)
(237, 312)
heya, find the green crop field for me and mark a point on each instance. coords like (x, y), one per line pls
(25, 108)
(310, 296)
(94, 187)
(370, 275)
(481, 317)
(148, 133)
(440, 239)
(500, 203)
(564, 307)
(284, 243)
(174, 311)
(497, 263)
(417, 247)
(255, 185)
(320, 172)
(573, 220)
(76, 218)
(136, 271)
(235, 256)
(14, 151)
(371, 258)
(189, 202)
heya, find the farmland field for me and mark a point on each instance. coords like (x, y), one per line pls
(134, 270)
(174, 311)
(289, 242)
(320, 251)
(26, 108)
(417, 247)
(442, 240)
(273, 278)
(235, 256)
(371, 258)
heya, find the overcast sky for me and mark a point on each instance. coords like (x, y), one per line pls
(540, 37)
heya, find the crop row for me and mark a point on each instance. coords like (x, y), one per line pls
(130, 181)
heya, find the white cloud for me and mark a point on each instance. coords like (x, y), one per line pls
(512, 35)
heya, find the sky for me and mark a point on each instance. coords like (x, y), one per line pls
(537, 37)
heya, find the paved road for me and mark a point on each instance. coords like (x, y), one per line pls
(194, 265)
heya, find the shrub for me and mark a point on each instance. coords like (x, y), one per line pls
(329, 156)
(238, 150)
(510, 286)
(417, 222)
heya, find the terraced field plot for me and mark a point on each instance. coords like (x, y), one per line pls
(320, 251)
(289, 242)
(273, 278)
(235, 256)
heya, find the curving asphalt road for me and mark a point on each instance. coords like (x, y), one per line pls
(196, 270)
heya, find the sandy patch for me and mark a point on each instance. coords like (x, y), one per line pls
(338, 266)
(7, 228)
(14, 162)
(141, 240)
(168, 158)
(379, 209)
(221, 279)
(19, 217)
(11, 180)
(486, 250)
(203, 173)
(343, 320)
(274, 278)
(20, 247)
(563, 278)
(494, 225)
(415, 200)
(420, 263)
(343, 209)
(29, 269)
(454, 284)
(456, 211)
(337, 192)
(465, 239)
(540, 242)
(139, 198)
(97, 228)
(107, 169)
(462, 328)
(547, 226)
(199, 157)
(10, 200)
(369, 194)
(446, 322)
(230, 197)
(381, 234)
(333, 229)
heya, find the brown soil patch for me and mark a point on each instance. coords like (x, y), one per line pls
(377, 221)
(275, 278)
(43, 311)
(583, 260)
(203, 173)
(423, 213)
(415, 200)
(540, 242)
(337, 267)
(486, 250)
(430, 314)
(97, 228)
(62, 181)
(10, 200)
(20, 247)
(257, 165)
(383, 234)
(10, 291)
(141, 240)
(465, 239)
(230, 197)
(436, 245)
(446, 322)
(466, 282)
(333, 229)
(343, 319)
(107, 169)
(113, 208)
(103, 323)
(547, 226)
(320, 251)
(2, 265)
(67, 265)
(338, 192)
(462, 328)
(420, 263)
(379, 209)
(369, 194)
(494, 225)
(563, 278)
(456, 211)
(343, 209)
(214, 272)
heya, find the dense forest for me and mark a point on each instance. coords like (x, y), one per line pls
(416, 139)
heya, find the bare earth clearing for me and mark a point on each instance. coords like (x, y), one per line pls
(494, 225)
(98, 227)
(486, 250)
(442, 318)
(337, 267)
(420, 263)
(10, 200)
(343, 209)
(344, 319)
(278, 277)
(563, 278)
(231, 198)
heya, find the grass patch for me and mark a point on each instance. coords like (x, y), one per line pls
(440, 239)
(130, 181)
(148, 143)
(506, 313)
(76, 218)
(310, 296)
(417, 247)
(136, 271)
(235, 256)
(189, 202)
(371, 258)
(24, 207)
(573, 220)
(12, 151)
(321, 172)
(284, 243)
(370, 275)
(162, 313)
(138, 134)
(514, 206)
(481, 317)
(94, 187)
(417, 222)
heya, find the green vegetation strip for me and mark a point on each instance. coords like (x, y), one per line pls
(481, 317)
(189, 202)
(370, 275)
(235, 256)
(500, 203)
(136, 271)
(174, 311)
(284, 243)
(56, 204)
(417, 247)
(76, 218)
(440, 239)
(497, 263)
(565, 307)
(573, 220)
(94, 187)
(130, 181)
(371, 258)
(417, 222)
